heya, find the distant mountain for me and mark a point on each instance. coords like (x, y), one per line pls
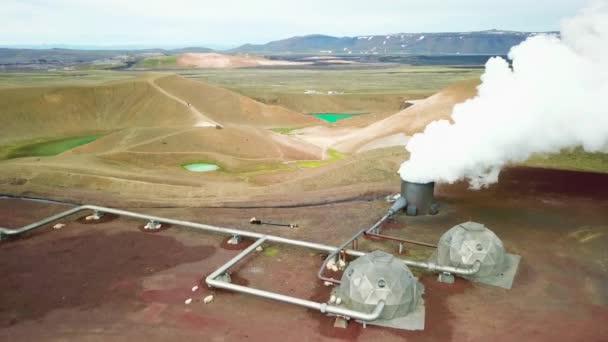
(492, 42)
(40, 59)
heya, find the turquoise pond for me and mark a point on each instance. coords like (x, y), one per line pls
(200, 167)
(333, 117)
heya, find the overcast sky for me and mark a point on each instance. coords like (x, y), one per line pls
(232, 22)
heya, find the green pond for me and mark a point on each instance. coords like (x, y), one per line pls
(333, 117)
(50, 147)
(200, 167)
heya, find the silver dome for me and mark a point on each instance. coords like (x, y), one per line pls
(469, 242)
(380, 276)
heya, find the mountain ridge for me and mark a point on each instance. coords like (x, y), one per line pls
(470, 43)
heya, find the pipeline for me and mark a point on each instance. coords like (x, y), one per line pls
(211, 279)
(342, 247)
(429, 266)
(6, 233)
(394, 238)
(399, 204)
(322, 307)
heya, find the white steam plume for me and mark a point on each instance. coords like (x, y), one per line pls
(555, 96)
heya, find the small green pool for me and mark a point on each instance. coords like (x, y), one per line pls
(200, 167)
(333, 117)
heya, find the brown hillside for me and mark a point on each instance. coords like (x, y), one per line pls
(220, 61)
(227, 107)
(412, 119)
(27, 113)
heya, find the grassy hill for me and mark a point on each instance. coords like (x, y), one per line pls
(33, 112)
(228, 107)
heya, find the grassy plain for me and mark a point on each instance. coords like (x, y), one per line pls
(574, 159)
(336, 89)
(371, 80)
(60, 78)
(157, 62)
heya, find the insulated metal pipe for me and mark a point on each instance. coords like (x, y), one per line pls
(323, 307)
(433, 267)
(394, 238)
(5, 232)
(344, 245)
(429, 266)
(236, 259)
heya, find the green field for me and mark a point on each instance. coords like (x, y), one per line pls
(284, 130)
(61, 78)
(370, 80)
(157, 62)
(45, 148)
(575, 159)
(311, 164)
(370, 89)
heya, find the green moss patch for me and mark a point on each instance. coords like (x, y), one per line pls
(47, 147)
(310, 164)
(284, 130)
(157, 62)
(271, 251)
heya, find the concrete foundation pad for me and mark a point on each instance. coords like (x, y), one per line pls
(413, 321)
(505, 279)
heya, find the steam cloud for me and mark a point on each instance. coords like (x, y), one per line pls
(555, 96)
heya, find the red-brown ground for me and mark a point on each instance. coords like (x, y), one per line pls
(110, 281)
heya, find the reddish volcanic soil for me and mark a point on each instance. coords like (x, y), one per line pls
(110, 281)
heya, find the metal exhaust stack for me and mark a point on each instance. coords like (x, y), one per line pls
(419, 197)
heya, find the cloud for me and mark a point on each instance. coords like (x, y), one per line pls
(196, 21)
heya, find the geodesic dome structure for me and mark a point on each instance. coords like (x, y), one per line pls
(468, 243)
(380, 276)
